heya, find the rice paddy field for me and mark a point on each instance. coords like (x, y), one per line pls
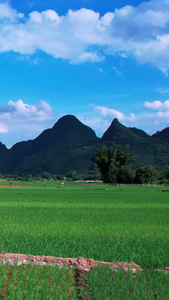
(102, 222)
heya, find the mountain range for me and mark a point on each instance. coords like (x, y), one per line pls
(69, 146)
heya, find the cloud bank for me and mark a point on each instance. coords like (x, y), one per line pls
(24, 120)
(84, 35)
(21, 112)
(157, 105)
(162, 111)
(105, 111)
(155, 117)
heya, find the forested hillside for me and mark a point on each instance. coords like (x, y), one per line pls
(69, 146)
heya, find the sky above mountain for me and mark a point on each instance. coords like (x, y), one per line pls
(95, 59)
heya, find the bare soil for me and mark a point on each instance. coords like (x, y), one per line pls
(80, 263)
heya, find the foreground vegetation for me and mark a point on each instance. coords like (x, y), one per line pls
(103, 222)
(30, 282)
(46, 283)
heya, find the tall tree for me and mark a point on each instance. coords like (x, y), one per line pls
(146, 174)
(114, 164)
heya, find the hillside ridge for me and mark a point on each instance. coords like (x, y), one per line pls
(69, 146)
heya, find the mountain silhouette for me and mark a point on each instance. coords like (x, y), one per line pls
(162, 135)
(69, 146)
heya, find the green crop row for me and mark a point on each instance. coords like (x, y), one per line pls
(34, 282)
(103, 222)
(104, 284)
(48, 283)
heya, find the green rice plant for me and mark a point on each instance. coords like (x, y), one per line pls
(31, 287)
(37, 283)
(3, 275)
(11, 287)
(103, 222)
(103, 284)
(20, 282)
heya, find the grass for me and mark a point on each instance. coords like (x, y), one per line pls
(30, 282)
(104, 284)
(103, 222)
(48, 283)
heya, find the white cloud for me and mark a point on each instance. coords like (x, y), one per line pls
(100, 119)
(157, 105)
(105, 111)
(51, 15)
(21, 120)
(3, 128)
(158, 114)
(90, 57)
(163, 115)
(117, 71)
(35, 17)
(83, 35)
(41, 111)
(6, 12)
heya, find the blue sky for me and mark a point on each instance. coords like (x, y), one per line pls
(95, 59)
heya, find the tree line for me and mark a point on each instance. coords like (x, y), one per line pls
(111, 165)
(115, 163)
